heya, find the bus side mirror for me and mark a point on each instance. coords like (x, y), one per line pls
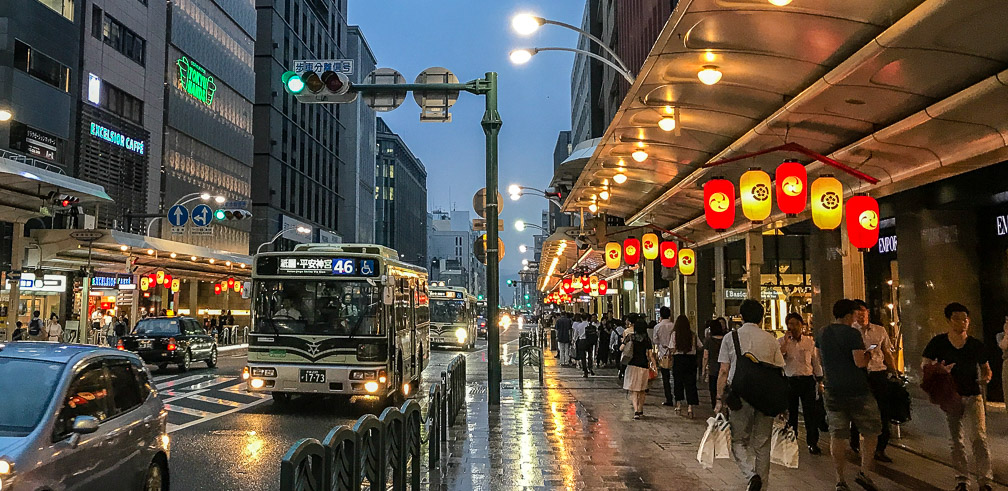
(388, 295)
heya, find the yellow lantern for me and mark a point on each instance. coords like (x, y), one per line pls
(144, 282)
(649, 245)
(576, 283)
(827, 202)
(687, 262)
(756, 190)
(175, 285)
(160, 277)
(593, 283)
(237, 286)
(613, 255)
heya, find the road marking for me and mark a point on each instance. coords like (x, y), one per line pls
(172, 427)
(172, 383)
(215, 400)
(210, 389)
(187, 410)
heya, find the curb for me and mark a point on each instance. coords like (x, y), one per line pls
(233, 347)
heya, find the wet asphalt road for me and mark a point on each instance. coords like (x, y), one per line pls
(225, 439)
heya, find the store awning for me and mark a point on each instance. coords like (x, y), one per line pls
(906, 91)
(24, 188)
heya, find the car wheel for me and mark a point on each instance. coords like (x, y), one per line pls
(157, 477)
(186, 361)
(212, 361)
(162, 366)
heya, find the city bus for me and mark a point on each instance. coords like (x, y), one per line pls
(338, 319)
(452, 317)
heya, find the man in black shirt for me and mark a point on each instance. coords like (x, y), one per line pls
(963, 357)
(564, 331)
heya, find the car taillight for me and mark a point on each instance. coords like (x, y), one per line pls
(171, 344)
(119, 345)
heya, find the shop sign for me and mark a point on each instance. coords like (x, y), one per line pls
(1002, 225)
(50, 283)
(34, 142)
(742, 294)
(195, 81)
(116, 138)
(113, 280)
(887, 244)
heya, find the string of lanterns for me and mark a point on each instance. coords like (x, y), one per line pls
(791, 192)
(228, 284)
(650, 248)
(159, 278)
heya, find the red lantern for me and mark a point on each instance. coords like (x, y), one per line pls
(216, 289)
(862, 215)
(667, 253)
(167, 280)
(631, 251)
(230, 282)
(791, 181)
(719, 203)
(567, 286)
(603, 287)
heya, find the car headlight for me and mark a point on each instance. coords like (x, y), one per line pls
(263, 372)
(461, 333)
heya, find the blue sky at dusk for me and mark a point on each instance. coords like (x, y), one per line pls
(471, 38)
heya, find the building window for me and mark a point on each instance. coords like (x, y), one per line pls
(40, 66)
(62, 7)
(123, 40)
(117, 101)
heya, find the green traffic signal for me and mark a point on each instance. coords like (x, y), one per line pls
(479, 297)
(292, 82)
(219, 214)
(526, 296)
(509, 282)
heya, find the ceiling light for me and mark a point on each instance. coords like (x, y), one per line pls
(619, 178)
(780, 3)
(193, 258)
(212, 260)
(709, 55)
(150, 252)
(220, 199)
(525, 24)
(242, 265)
(604, 195)
(123, 248)
(204, 196)
(227, 263)
(667, 123)
(520, 56)
(173, 255)
(639, 155)
(593, 207)
(710, 75)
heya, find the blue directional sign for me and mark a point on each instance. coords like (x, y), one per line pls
(178, 215)
(202, 215)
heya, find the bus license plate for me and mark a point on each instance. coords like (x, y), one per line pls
(313, 376)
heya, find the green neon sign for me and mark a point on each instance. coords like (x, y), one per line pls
(195, 80)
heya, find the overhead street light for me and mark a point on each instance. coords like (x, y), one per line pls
(523, 248)
(523, 55)
(301, 229)
(526, 24)
(521, 225)
(5, 115)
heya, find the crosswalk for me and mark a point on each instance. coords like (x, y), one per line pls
(195, 399)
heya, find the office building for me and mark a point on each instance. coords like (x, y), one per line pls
(561, 151)
(298, 169)
(358, 187)
(400, 197)
(450, 240)
(586, 76)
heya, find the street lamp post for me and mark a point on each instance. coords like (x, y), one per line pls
(522, 55)
(521, 225)
(526, 24)
(301, 229)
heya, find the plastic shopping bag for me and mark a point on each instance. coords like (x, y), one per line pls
(715, 443)
(784, 446)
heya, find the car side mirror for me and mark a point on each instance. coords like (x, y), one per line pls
(83, 425)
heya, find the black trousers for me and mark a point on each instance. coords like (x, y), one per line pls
(684, 376)
(878, 382)
(666, 379)
(712, 376)
(803, 389)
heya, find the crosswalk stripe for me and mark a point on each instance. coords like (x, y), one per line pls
(171, 427)
(188, 410)
(215, 400)
(180, 381)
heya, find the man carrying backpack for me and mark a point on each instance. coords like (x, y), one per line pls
(751, 428)
(35, 326)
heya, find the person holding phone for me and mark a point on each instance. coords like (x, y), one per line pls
(880, 367)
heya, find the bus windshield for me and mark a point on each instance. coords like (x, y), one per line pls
(314, 307)
(448, 310)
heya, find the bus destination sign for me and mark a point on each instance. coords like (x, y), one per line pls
(337, 266)
(437, 294)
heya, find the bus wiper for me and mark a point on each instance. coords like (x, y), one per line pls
(361, 319)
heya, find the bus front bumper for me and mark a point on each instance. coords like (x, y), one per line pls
(350, 380)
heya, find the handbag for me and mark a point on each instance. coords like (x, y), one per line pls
(761, 384)
(627, 353)
(664, 357)
(784, 446)
(716, 442)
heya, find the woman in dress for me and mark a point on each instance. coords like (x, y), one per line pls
(54, 331)
(639, 368)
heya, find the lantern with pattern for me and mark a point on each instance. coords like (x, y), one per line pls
(687, 262)
(568, 285)
(862, 222)
(175, 285)
(667, 253)
(160, 277)
(719, 203)
(144, 283)
(594, 286)
(754, 187)
(649, 246)
(603, 287)
(827, 202)
(792, 187)
(631, 251)
(576, 283)
(612, 255)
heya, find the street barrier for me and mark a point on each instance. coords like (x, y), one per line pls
(385, 449)
(530, 353)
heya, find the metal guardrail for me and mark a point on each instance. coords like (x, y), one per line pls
(530, 353)
(381, 452)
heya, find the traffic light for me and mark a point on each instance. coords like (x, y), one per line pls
(526, 296)
(479, 297)
(222, 215)
(317, 84)
(510, 282)
(62, 200)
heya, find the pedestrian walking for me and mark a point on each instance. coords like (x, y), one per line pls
(663, 344)
(962, 356)
(53, 330)
(881, 366)
(121, 326)
(603, 342)
(712, 347)
(564, 329)
(1002, 342)
(35, 327)
(615, 338)
(631, 320)
(590, 342)
(638, 368)
(750, 428)
(804, 371)
(19, 333)
(580, 342)
(848, 397)
(684, 365)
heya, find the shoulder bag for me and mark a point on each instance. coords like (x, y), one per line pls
(761, 384)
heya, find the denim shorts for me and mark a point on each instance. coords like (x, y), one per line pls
(861, 410)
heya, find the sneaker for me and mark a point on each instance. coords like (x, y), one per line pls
(755, 483)
(882, 457)
(865, 482)
(636, 416)
(668, 403)
(814, 450)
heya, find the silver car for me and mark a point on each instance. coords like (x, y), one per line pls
(79, 417)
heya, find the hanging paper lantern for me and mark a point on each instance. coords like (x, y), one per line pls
(827, 202)
(792, 187)
(175, 285)
(667, 253)
(152, 279)
(649, 246)
(719, 203)
(862, 221)
(576, 283)
(160, 277)
(612, 255)
(144, 283)
(230, 282)
(754, 187)
(567, 285)
(586, 284)
(687, 262)
(216, 289)
(631, 251)
(238, 286)
(167, 280)
(603, 287)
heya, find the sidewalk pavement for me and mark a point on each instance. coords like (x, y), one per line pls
(578, 433)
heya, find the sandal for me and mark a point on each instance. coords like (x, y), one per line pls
(689, 412)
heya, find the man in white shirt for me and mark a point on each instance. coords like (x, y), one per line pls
(663, 343)
(803, 370)
(882, 363)
(750, 429)
(578, 339)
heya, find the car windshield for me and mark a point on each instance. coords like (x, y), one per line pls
(328, 307)
(448, 310)
(34, 382)
(157, 327)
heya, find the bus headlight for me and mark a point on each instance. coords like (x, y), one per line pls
(257, 383)
(371, 386)
(461, 334)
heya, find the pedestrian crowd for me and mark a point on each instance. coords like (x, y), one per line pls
(844, 379)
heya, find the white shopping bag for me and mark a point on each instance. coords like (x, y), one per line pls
(784, 446)
(716, 442)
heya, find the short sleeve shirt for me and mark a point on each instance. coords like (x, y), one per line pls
(641, 346)
(876, 334)
(753, 340)
(843, 378)
(967, 361)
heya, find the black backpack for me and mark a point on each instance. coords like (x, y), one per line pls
(761, 384)
(35, 327)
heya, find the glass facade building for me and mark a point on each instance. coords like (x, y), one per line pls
(400, 198)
